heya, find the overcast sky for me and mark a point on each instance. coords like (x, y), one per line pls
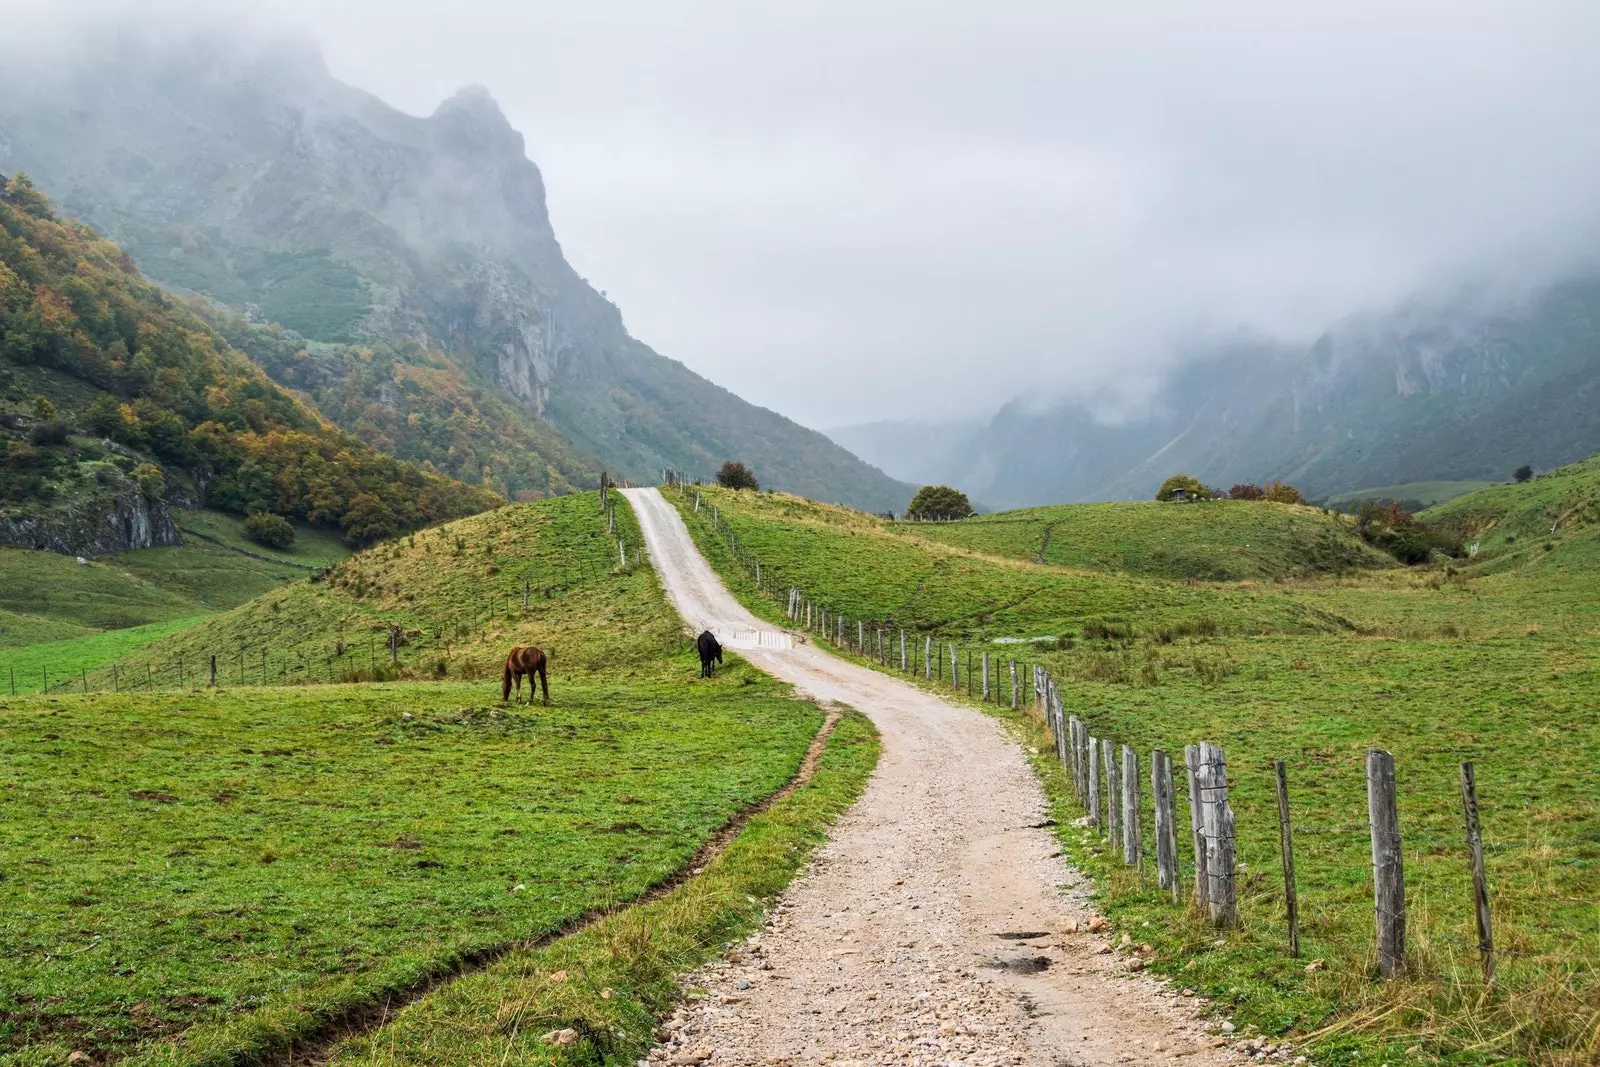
(867, 209)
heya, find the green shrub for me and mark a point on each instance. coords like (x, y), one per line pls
(273, 531)
(152, 482)
(939, 503)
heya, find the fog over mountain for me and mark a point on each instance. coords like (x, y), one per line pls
(852, 211)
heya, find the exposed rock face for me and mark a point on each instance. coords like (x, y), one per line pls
(99, 524)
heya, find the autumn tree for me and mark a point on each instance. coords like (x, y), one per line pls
(735, 475)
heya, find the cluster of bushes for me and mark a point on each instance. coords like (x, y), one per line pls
(173, 390)
(1393, 529)
(1188, 487)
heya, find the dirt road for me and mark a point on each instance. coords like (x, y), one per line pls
(937, 925)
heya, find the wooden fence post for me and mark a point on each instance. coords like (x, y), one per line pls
(1132, 846)
(1113, 797)
(986, 676)
(1480, 877)
(213, 681)
(1291, 902)
(1197, 840)
(1013, 685)
(927, 657)
(903, 667)
(1388, 868)
(1094, 783)
(1079, 786)
(1166, 828)
(1216, 826)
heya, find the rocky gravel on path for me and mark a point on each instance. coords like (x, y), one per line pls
(939, 924)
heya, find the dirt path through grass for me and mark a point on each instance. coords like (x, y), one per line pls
(901, 946)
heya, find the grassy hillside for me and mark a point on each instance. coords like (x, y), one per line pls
(1216, 540)
(1517, 519)
(203, 876)
(1492, 660)
(1424, 493)
(867, 568)
(60, 616)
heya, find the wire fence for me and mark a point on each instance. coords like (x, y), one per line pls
(1197, 864)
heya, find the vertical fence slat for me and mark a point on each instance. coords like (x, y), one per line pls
(1388, 866)
(1197, 839)
(1094, 783)
(1108, 756)
(1216, 825)
(1480, 876)
(1165, 814)
(1132, 847)
(1291, 902)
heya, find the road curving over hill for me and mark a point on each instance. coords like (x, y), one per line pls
(900, 945)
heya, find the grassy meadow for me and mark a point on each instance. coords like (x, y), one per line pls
(208, 876)
(1491, 659)
(46, 597)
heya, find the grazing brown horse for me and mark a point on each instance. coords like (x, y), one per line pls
(524, 661)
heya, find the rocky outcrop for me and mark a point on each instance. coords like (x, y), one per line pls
(115, 518)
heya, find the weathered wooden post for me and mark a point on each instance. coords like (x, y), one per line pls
(1079, 787)
(927, 658)
(1480, 877)
(1388, 868)
(1113, 833)
(1094, 783)
(904, 669)
(1013, 685)
(1197, 837)
(1291, 901)
(213, 680)
(1216, 826)
(969, 672)
(525, 588)
(986, 676)
(955, 682)
(1166, 827)
(394, 650)
(1132, 846)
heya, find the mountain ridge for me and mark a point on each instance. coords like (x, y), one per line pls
(260, 179)
(1451, 390)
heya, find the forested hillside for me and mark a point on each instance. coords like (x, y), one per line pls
(252, 176)
(118, 399)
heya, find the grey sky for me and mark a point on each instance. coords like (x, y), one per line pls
(855, 210)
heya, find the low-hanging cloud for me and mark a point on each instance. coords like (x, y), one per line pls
(857, 210)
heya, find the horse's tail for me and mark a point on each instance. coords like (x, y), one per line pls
(544, 679)
(505, 682)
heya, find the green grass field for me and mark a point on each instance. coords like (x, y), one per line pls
(1212, 540)
(206, 875)
(48, 597)
(1493, 661)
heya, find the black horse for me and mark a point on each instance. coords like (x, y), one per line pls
(710, 651)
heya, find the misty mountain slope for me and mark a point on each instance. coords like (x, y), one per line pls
(1447, 392)
(262, 180)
